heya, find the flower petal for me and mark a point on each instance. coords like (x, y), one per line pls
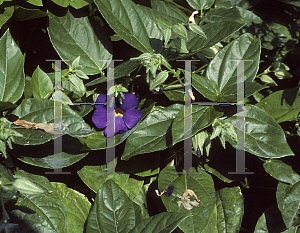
(119, 126)
(99, 117)
(100, 100)
(132, 117)
(129, 102)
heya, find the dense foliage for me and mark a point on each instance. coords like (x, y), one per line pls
(75, 190)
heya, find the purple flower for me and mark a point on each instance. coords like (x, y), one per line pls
(126, 116)
(168, 192)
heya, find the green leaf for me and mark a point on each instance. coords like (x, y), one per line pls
(66, 209)
(268, 80)
(123, 18)
(215, 32)
(77, 83)
(203, 186)
(95, 176)
(42, 111)
(76, 205)
(282, 74)
(81, 74)
(283, 105)
(237, 14)
(159, 80)
(43, 155)
(77, 4)
(23, 14)
(196, 29)
(41, 84)
(169, 12)
(288, 203)
(200, 4)
(175, 95)
(180, 30)
(263, 136)
(53, 213)
(180, 45)
(167, 36)
(160, 223)
(221, 73)
(6, 176)
(7, 14)
(203, 116)
(62, 3)
(97, 141)
(12, 78)
(27, 187)
(72, 37)
(230, 205)
(36, 2)
(281, 171)
(163, 24)
(112, 211)
(156, 124)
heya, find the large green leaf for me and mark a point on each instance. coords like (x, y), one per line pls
(288, 199)
(215, 32)
(263, 135)
(123, 18)
(281, 171)
(43, 155)
(168, 11)
(200, 218)
(23, 13)
(59, 208)
(221, 73)
(76, 205)
(202, 116)
(12, 78)
(160, 223)
(95, 176)
(230, 205)
(112, 211)
(41, 84)
(159, 132)
(236, 14)
(152, 134)
(6, 15)
(200, 4)
(42, 111)
(72, 37)
(283, 105)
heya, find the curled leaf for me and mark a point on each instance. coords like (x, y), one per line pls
(47, 127)
(185, 199)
